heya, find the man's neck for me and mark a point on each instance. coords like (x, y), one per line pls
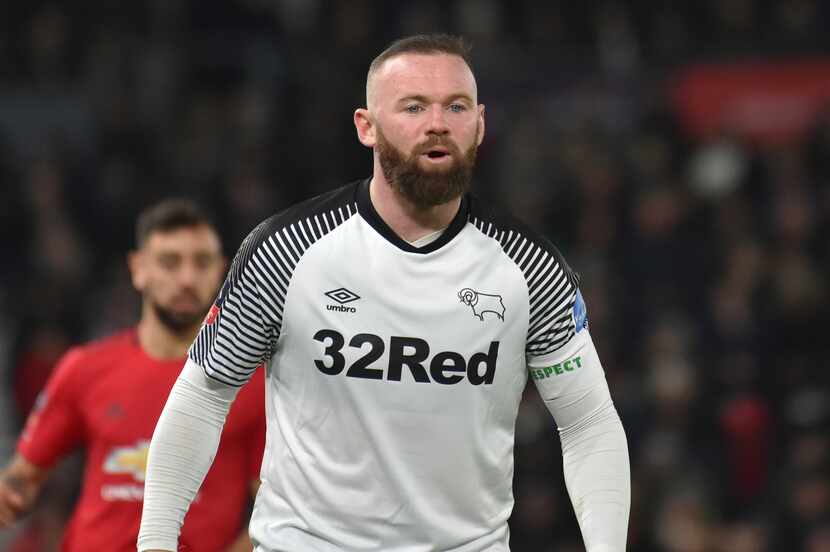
(159, 342)
(408, 221)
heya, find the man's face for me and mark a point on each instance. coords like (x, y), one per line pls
(428, 125)
(178, 274)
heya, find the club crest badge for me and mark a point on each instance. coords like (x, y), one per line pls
(482, 303)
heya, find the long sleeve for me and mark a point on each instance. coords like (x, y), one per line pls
(594, 447)
(596, 466)
(181, 452)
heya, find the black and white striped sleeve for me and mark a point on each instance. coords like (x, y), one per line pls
(552, 292)
(239, 332)
(242, 328)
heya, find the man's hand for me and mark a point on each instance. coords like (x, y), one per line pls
(20, 483)
(13, 500)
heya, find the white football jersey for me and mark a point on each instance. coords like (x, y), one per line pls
(394, 373)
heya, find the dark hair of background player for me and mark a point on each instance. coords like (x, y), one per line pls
(169, 215)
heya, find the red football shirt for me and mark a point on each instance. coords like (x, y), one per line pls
(106, 397)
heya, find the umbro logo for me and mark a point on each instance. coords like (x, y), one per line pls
(342, 296)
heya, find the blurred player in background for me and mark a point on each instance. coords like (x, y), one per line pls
(106, 397)
(401, 319)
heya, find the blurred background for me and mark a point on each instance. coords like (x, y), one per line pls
(677, 153)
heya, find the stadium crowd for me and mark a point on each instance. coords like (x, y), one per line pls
(705, 262)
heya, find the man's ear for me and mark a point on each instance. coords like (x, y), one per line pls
(480, 137)
(365, 127)
(135, 262)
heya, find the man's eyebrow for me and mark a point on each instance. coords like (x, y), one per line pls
(423, 99)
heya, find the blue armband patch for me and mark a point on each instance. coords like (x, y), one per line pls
(580, 313)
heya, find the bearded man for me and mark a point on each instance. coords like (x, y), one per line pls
(106, 396)
(400, 320)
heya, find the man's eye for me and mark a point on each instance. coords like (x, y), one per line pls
(457, 108)
(169, 263)
(203, 261)
(414, 108)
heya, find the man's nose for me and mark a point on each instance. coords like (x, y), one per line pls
(188, 275)
(437, 121)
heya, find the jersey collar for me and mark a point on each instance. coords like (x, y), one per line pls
(368, 212)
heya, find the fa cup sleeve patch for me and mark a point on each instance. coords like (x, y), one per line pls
(211, 315)
(580, 313)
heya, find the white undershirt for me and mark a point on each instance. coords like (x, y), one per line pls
(428, 239)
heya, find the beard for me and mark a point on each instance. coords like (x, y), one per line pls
(426, 188)
(179, 322)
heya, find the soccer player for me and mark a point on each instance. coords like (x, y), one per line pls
(106, 397)
(400, 319)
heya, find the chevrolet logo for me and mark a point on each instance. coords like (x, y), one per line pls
(130, 460)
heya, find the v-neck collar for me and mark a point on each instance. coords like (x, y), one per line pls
(368, 212)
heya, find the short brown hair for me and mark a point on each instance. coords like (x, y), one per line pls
(437, 43)
(169, 215)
